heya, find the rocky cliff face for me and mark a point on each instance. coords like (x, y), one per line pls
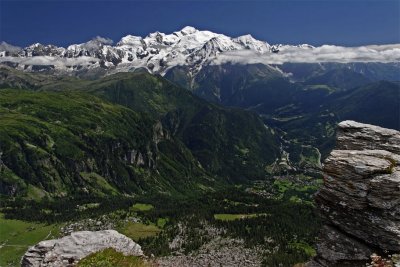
(67, 251)
(360, 198)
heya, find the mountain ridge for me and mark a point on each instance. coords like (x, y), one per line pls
(159, 52)
(125, 133)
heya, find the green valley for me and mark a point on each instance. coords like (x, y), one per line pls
(187, 179)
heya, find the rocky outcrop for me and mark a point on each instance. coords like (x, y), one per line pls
(360, 199)
(358, 136)
(67, 251)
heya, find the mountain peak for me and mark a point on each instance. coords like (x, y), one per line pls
(101, 40)
(249, 42)
(4, 46)
(246, 36)
(188, 30)
(158, 52)
(131, 40)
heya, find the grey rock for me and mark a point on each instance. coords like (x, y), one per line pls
(70, 249)
(353, 135)
(335, 247)
(360, 199)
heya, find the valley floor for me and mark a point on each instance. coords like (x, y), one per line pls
(259, 224)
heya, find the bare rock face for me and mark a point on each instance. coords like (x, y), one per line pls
(360, 199)
(67, 251)
(358, 136)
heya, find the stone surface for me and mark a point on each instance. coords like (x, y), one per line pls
(70, 249)
(360, 199)
(353, 135)
(337, 246)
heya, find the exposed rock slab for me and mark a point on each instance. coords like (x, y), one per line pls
(337, 246)
(360, 199)
(353, 135)
(70, 249)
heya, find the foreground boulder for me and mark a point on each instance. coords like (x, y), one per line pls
(360, 199)
(68, 250)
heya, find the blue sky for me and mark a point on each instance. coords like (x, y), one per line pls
(339, 22)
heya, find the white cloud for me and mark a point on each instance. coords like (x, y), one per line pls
(325, 53)
(287, 54)
(47, 60)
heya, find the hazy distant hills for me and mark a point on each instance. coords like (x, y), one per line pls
(306, 105)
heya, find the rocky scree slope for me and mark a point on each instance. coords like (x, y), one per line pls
(360, 198)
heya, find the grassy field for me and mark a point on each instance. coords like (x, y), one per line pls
(139, 230)
(16, 236)
(295, 192)
(142, 207)
(161, 222)
(231, 217)
(111, 258)
(308, 249)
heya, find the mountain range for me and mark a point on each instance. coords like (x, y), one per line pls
(188, 110)
(159, 52)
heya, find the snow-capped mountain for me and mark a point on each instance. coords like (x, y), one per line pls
(158, 52)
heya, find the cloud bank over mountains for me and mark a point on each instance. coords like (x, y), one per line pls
(51, 61)
(158, 52)
(325, 53)
(287, 54)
